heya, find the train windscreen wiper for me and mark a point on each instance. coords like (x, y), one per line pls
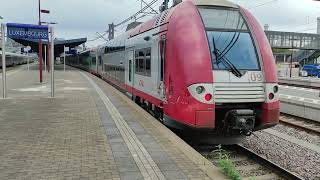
(227, 63)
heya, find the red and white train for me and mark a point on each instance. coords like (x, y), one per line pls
(202, 64)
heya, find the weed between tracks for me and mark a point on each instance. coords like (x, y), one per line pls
(226, 164)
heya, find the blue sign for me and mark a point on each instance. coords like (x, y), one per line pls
(27, 31)
(72, 52)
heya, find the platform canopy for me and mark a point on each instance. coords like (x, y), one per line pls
(58, 44)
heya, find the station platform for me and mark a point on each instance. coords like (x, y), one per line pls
(311, 82)
(89, 130)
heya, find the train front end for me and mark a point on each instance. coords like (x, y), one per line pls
(241, 95)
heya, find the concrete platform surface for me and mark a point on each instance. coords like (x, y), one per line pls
(88, 131)
(312, 82)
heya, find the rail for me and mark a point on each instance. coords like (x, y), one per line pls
(282, 171)
(301, 82)
(248, 163)
(300, 123)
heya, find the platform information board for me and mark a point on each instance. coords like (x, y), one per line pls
(27, 31)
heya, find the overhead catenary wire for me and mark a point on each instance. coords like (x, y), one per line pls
(233, 40)
(135, 17)
(296, 25)
(251, 5)
(305, 30)
(96, 38)
(136, 14)
(262, 4)
(148, 6)
(282, 26)
(227, 49)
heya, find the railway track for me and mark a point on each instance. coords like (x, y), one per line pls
(300, 123)
(250, 165)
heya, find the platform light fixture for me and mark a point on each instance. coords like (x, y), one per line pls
(45, 47)
(47, 23)
(45, 11)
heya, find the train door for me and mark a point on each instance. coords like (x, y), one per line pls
(130, 74)
(162, 53)
(96, 61)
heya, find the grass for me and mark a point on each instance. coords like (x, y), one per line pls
(227, 165)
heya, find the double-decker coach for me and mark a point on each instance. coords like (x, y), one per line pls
(202, 64)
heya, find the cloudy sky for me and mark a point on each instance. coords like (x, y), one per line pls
(83, 18)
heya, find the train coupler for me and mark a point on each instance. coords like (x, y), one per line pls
(242, 119)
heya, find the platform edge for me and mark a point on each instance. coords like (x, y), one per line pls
(205, 165)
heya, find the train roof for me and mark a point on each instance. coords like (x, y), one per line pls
(222, 3)
(119, 41)
(14, 54)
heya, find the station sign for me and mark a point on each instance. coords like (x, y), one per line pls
(27, 31)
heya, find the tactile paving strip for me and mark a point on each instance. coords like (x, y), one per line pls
(145, 163)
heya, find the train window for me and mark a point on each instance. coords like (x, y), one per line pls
(137, 69)
(148, 62)
(240, 52)
(148, 67)
(222, 19)
(141, 65)
(130, 69)
(148, 52)
(229, 39)
(162, 56)
(100, 60)
(139, 55)
(143, 61)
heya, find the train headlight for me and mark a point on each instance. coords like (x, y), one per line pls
(202, 92)
(275, 89)
(200, 89)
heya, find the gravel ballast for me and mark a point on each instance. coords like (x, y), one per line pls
(299, 134)
(291, 156)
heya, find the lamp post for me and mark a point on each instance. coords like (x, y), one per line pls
(3, 57)
(47, 47)
(64, 58)
(3, 45)
(52, 60)
(40, 41)
(1, 19)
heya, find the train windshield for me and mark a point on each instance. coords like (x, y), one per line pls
(230, 40)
